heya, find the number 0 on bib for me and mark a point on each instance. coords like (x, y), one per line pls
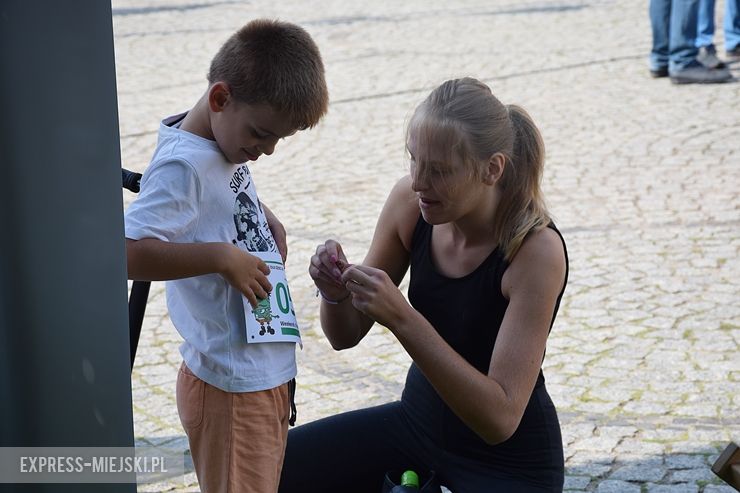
(274, 318)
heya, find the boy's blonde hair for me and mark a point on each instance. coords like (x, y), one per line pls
(274, 62)
(465, 118)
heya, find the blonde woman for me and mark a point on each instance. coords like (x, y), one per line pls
(488, 270)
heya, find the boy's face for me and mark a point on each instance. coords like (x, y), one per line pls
(246, 131)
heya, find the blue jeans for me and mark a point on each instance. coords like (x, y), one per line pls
(731, 24)
(674, 25)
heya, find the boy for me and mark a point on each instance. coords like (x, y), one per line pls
(194, 222)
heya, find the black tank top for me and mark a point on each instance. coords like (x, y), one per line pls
(467, 312)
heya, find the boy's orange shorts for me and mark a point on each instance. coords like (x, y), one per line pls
(237, 440)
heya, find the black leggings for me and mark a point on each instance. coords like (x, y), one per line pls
(352, 452)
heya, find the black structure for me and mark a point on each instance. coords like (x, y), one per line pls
(139, 289)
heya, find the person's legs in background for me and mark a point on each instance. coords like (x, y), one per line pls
(707, 54)
(683, 66)
(705, 24)
(660, 15)
(731, 25)
(682, 33)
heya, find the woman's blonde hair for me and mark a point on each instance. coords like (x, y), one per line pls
(466, 119)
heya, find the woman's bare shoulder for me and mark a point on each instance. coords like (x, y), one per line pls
(403, 207)
(539, 262)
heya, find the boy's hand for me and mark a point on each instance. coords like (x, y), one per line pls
(248, 274)
(278, 232)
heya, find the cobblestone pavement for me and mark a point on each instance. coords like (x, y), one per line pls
(642, 176)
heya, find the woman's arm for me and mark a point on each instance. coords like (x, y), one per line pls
(492, 405)
(342, 323)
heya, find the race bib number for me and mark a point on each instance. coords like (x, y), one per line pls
(274, 318)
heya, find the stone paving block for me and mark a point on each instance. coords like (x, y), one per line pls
(576, 482)
(696, 448)
(713, 434)
(640, 472)
(672, 488)
(645, 459)
(683, 461)
(602, 444)
(638, 447)
(693, 475)
(593, 470)
(715, 488)
(146, 426)
(613, 486)
(646, 408)
(588, 458)
(598, 407)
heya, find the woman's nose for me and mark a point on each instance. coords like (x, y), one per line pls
(418, 183)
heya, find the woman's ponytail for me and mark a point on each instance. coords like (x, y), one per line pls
(521, 209)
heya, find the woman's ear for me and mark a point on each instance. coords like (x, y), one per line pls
(495, 169)
(218, 96)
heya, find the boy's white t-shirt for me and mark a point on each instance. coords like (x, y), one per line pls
(190, 193)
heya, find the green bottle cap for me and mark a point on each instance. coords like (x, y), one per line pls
(410, 478)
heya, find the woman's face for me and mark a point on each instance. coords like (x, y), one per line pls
(445, 187)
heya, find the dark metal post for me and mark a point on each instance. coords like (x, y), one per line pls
(64, 346)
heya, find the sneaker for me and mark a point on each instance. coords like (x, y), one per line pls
(657, 73)
(699, 74)
(707, 56)
(733, 55)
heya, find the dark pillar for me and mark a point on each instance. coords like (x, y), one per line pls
(64, 346)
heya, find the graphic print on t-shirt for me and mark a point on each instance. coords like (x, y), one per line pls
(246, 220)
(252, 231)
(273, 320)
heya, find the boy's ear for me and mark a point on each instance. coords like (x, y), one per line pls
(495, 169)
(218, 96)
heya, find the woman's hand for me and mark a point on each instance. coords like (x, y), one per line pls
(375, 295)
(326, 268)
